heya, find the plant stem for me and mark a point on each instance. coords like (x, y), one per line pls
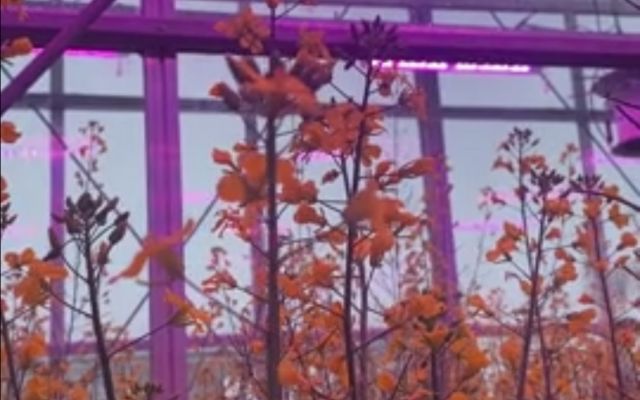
(609, 311)
(351, 242)
(435, 376)
(534, 268)
(364, 330)
(274, 389)
(544, 352)
(94, 296)
(13, 376)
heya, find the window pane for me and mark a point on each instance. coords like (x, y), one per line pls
(26, 167)
(513, 91)
(200, 134)
(122, 174)
(16, 66)
(103, 73)
(471, 150)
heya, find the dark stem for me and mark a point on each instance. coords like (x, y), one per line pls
(534, 267)
(435, 378)
(274, 389)
(13, 376)
(364, 330)
(544, 352)
(94, 300)
(609, 311)
(347, 320)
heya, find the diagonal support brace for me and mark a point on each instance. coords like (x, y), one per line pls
(18, 87)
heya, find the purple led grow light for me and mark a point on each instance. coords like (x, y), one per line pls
(438, 66)
(443, 66)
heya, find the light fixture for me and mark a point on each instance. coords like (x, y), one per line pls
(621, 90)
(444, 66)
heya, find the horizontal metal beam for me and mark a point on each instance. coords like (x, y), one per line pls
(547, 6)
(601, 7)
(133, 33)
(130, 103)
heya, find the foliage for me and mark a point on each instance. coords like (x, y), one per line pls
(314, 323)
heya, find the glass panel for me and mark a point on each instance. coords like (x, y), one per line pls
(25, 168)
(200, 134)
(122, 174)
(513, 91)
(197, 73)
(103, 73)
(625, 173)
(471, 149)
(16, 65)
(319, 11)
(608, 24)
(504, 20)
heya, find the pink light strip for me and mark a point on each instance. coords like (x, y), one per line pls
(465, 67)
(411, 65)
(86, 53)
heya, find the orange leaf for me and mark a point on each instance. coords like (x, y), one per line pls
(305, 214)
(381, 242)
(579, 321)
(30, 291)
(288, 375)
(458, 396)
(478, 302)
(12, 259)
(554, 233)
(330, 176)
(382, 168)
(320, 273)
(222, 157)
(586, 299)
(290, 287)
(8, 132)
(48, 270)
(627, 240)
(566, 273)
(512, 230)
(32, 348)
(493, 255)
(285, 170)
(231, 188)
(254, 166)
(77, 392)
(18, 47)
(385, 381)
(421, 166)
(619, 219)
(510, 351)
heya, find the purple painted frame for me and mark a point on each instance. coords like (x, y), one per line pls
(167, 347)
(54, 49)
(181, 32)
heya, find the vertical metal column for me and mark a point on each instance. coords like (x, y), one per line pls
(436, 190)
(436, 186)
(587, 151)
(168, 347)
(56, 201)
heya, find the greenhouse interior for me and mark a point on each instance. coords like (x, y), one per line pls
(320, 199)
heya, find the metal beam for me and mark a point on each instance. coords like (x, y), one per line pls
(168, 354)
(64, 36)
(129, 33)
(130, 103)
(601, 7)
